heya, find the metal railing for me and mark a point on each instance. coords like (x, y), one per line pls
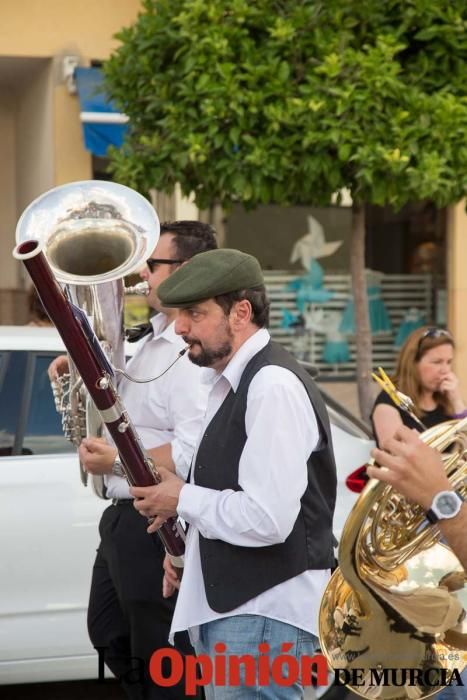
(399, 293)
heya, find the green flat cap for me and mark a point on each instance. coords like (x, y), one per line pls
(209, 274)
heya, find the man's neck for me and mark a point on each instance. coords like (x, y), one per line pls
(236, 345)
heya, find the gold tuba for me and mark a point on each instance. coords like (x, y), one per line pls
(93, 233)
(392, 616)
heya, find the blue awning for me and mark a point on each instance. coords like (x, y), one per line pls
(103, 125)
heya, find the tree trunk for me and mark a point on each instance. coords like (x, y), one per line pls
(215, 216)
(362, 320)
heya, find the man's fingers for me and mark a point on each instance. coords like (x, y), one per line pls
(140, 491)
(172, 578)
(156, 524)
(382, 474)
(169, 570)
(402, 444)
(168, 588)
(170, 574)
(141, 506)
(164, 473)
(94, 444)
(407, 435)
(144, 507)
(58, 367)
(385, 459)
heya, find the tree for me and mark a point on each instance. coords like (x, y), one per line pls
(290, 101)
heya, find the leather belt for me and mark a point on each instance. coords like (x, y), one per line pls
(122, 501)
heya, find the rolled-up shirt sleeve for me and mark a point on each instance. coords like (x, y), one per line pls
(282, 431)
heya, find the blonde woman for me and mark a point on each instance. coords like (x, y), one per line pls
(424, 373)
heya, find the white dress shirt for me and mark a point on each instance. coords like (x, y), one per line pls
(282, 432)
(169, 409)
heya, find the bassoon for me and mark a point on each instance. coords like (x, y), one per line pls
(99, 378)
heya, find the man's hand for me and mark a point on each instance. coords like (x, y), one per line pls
(170, 582)
(417, 472)
(412, 467)
(158, 501)
(57, 367)
(96, 456)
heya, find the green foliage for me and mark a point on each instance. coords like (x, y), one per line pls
(288, 101)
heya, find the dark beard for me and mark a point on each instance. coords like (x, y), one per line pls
(206, 358)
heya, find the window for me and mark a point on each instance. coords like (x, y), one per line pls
(12, 374)
(29, 423)
(43, 430)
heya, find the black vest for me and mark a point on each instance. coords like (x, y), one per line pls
(232, 574)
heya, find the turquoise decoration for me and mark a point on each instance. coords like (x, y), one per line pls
(336, 348)
(411, 321)
(315, 275)
(309, 288)
(289, 320)
(347, 324)
(336, 352)
(307, 296)
(379, 317)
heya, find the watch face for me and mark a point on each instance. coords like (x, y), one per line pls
(447, 504)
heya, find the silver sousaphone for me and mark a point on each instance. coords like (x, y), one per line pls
(93, 234)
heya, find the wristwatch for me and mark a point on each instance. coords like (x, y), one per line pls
(117, 468)
(445, 505)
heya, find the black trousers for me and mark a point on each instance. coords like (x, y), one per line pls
(128, 619)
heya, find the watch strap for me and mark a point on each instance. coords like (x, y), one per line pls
(431, 515)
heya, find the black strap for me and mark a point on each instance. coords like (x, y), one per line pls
(135, 333)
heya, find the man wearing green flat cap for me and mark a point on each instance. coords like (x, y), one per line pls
(261, 491)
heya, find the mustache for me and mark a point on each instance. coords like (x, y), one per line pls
(190, 341)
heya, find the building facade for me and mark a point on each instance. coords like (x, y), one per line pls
(41, 144)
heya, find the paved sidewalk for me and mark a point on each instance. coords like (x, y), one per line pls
(346, 393)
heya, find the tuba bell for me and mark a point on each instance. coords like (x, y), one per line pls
(392, 620)
(93, 233)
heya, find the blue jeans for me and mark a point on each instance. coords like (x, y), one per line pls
(241, 636)
(455, 692)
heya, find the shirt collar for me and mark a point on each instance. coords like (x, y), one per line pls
(234, 370)
(162, 330)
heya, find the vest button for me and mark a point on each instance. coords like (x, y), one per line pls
(200, 466)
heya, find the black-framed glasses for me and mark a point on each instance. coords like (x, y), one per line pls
(152, 262)
(433, 333)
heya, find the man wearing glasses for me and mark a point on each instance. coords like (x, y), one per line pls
(128, 619)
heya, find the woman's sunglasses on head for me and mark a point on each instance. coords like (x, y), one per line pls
(433, 333)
